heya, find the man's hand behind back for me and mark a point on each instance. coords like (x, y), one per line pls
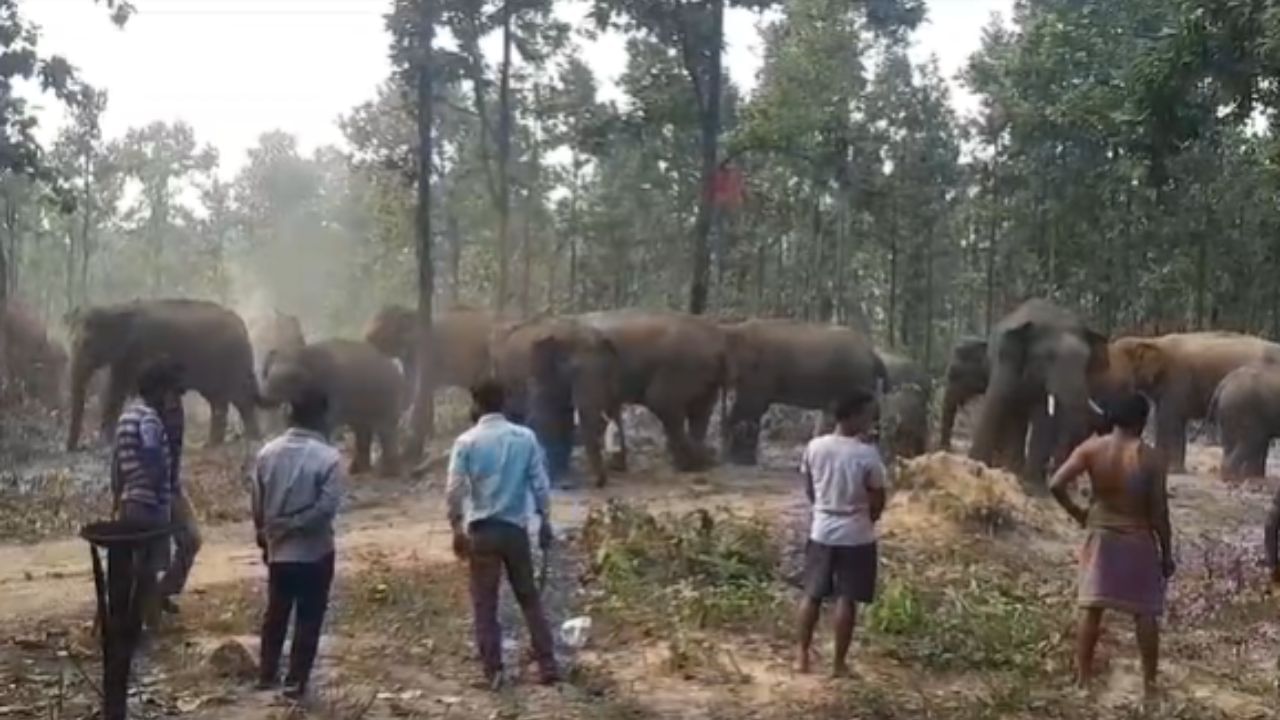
(546, 535)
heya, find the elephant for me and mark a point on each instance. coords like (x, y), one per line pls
(1246, 407)
(1043, 360)
(208, 340)
(674, 365)
(906, 405)
(34, 364)
(967, 374)
(460, 342)
(552, 369)
(791, 362)
(271, 334)
(1180, 373)
(365, 390)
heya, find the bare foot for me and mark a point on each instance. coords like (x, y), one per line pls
(841, 671)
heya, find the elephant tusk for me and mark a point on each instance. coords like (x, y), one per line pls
(1053, 405)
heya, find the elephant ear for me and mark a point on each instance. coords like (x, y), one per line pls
(1099, 358)
(1013, 345)
(1150, 364)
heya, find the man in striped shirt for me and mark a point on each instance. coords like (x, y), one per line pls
(143, 483)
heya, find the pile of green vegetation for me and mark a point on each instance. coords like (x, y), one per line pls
(974, 616)
(698, 571)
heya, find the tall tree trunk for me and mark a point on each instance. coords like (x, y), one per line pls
(710, 137)
(893, 267)
(532, 198)
(928, 294)
(504, 160)
(70, 263)
(454, 235)
(423, 418)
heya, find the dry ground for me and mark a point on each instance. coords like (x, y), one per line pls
(690, 611)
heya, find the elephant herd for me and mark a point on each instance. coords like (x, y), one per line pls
(574, 374)
(1046, 379)
(567, 376)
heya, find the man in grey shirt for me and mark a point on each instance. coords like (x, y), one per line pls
(297, 487)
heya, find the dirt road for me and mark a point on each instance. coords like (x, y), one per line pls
(54, 579)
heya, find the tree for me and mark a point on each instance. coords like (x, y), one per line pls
(695, 29)
(91, 169)
(20, 153)
(164, 159)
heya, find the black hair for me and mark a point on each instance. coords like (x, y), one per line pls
(309, 407)
(489, 397)
(1129, 413)
(159, 376)
(852, 404)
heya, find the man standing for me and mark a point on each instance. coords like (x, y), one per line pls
(845, 483)
(297, 488)
(1127, 557)
(494, 469)
(143, 484)
(186, 530)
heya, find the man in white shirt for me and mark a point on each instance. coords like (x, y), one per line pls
(845, 482)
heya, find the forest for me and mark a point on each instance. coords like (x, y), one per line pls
(1121, 159)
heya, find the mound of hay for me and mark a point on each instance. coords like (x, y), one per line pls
(946, 493)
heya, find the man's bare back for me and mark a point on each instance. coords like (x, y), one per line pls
(1124, 480)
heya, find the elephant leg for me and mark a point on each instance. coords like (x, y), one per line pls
(591, 428)
(743, 430)
(1171, 436)
(950, 406)
(617, 455)
(112, 405)
(78, 388)
(389, 449)
(698, 418)
(218, 410)
(683, 455)
(667, 403)
(364, 447)
(248, 412)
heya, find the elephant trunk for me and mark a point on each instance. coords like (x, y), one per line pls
(81, 371)
(993, 424)
(951, 402)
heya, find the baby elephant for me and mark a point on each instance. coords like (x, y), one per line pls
(365, 389)
(1246, 407)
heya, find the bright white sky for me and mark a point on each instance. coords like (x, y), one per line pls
(236, 68)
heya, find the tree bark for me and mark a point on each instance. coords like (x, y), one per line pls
(504, 162)
(710, 137)
(423, 418)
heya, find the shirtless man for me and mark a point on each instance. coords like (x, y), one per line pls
(1126, 559)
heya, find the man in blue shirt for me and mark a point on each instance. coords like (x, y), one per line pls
(495, 468)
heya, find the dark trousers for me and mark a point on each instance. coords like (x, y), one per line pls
(290, 586)
(186, 543)
(496, 545)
